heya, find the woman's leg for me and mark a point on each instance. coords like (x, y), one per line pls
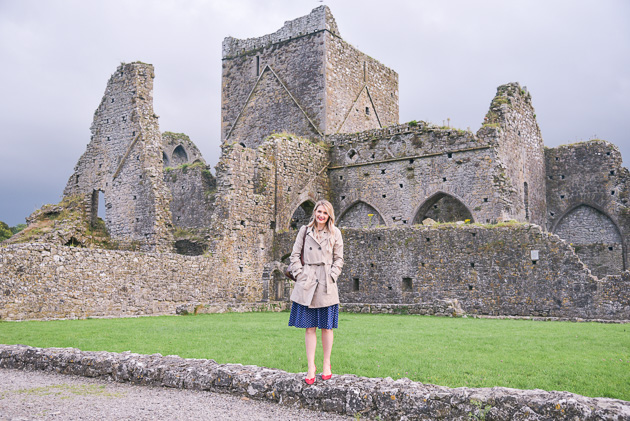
(327, 343)
(310, 339)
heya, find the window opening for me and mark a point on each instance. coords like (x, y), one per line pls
(98, 209)
(526, 199)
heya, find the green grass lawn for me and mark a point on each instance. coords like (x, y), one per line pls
(590, 359)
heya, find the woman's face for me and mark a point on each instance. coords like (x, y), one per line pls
(321, 216)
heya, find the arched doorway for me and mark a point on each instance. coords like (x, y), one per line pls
(442, 207)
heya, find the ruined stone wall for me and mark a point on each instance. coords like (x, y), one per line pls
(193, 190)
(361, 93)
(319, 19)
(488, 270)
(178, 149)
(123, 161)
(301, 176)
(41, 281)
(587, 200)
(403, 173)
(240, 223)
(520, 150)
(252, 201)
(257, 192)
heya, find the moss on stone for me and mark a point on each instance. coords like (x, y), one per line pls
(65, 223)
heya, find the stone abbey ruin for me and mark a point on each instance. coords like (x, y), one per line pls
(520, 229)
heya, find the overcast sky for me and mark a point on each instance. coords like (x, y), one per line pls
(57, 55)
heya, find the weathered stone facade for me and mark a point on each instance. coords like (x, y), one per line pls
(519, 146)
(123, 161)
(193, 190)
(415, 171)
(303, 79)
(403, 169)
(517, 270)
(346, 394)
(587, 202)
(383, 178)
(57, 282)
(178, 149)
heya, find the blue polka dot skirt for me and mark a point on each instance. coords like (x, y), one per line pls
(323, 317)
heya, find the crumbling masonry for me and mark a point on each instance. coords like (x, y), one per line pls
(436, 220)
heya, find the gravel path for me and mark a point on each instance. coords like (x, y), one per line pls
(28, 395)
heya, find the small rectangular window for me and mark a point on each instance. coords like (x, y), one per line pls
(407, 284)
(355, 284)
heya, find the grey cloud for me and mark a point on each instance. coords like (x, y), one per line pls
(451, 55)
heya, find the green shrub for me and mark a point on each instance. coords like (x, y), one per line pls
(5, 231)
(17, 228)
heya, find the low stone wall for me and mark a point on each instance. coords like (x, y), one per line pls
(452, 308)
(43, 281)
(449, 308)
(512, 270)
(343, 394)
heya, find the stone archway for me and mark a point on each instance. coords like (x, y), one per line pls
(595, 238)
(302, 214)
(360, 215)
(443, 207)
(179, 156)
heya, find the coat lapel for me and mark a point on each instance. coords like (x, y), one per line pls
(311, 232)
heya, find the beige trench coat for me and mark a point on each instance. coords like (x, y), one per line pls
(316, 281)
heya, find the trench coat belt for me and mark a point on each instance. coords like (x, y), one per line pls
(327, 267)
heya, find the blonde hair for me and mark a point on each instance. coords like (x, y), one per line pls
(329, 224)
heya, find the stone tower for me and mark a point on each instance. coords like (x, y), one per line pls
(303, 79)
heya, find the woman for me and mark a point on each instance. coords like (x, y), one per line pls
(315, 296)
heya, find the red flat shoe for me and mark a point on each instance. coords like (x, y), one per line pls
(328, 376)
(311, 381)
